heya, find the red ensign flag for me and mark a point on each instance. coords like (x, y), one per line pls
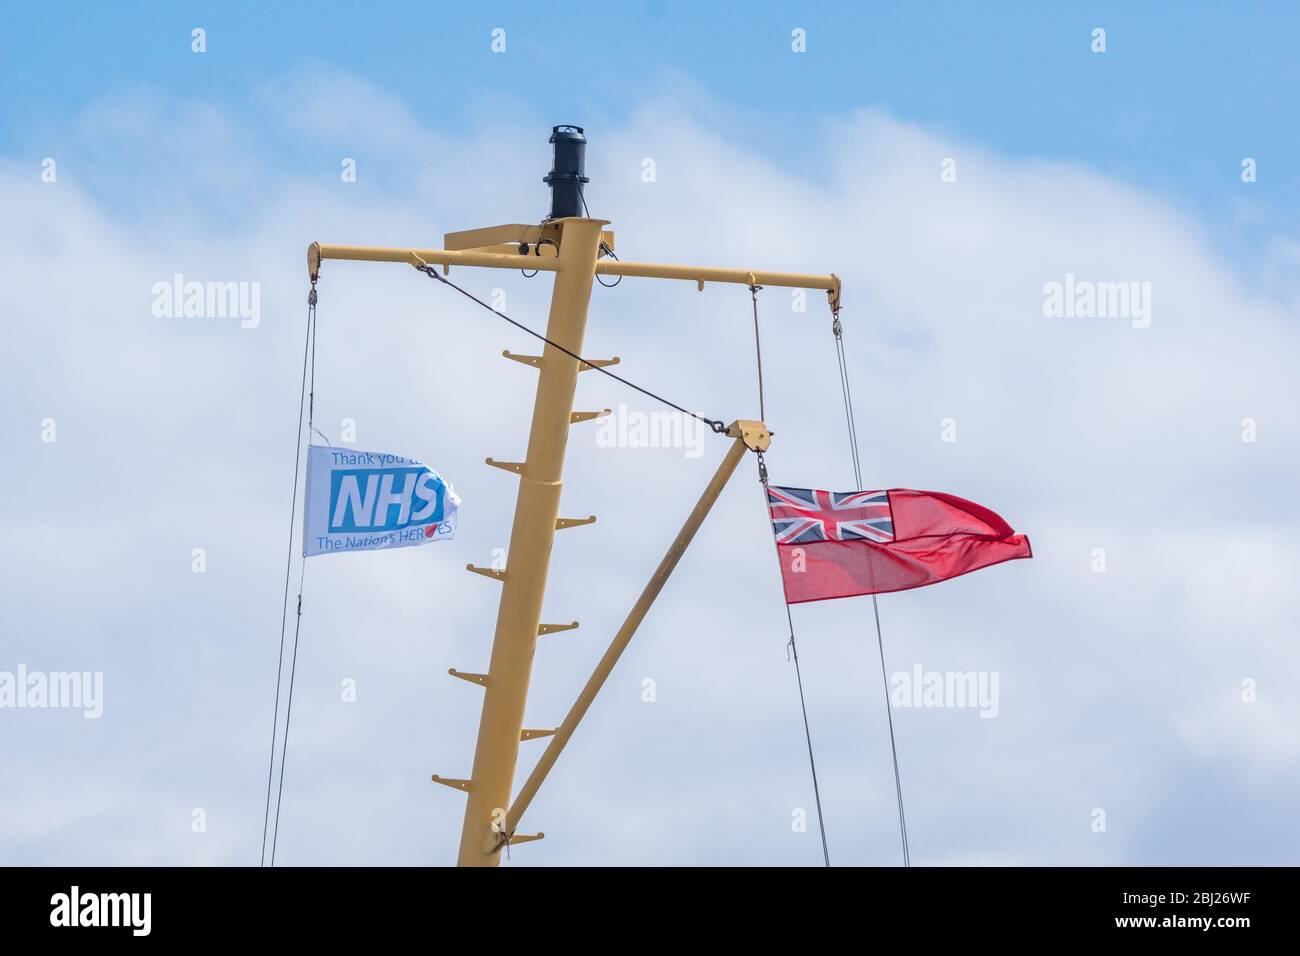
(839, 544)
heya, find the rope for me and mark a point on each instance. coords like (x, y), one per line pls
(715, 424)
(852, 424)
(308, 347)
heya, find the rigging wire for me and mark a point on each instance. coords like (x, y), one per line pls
(311, 393)
(792, 652)
(715, 424)
(850, 420)
(792, 649)
(288, 714)
(297, 628)
(308, 348)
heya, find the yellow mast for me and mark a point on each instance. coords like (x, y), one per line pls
(536, 509)
(568, 244)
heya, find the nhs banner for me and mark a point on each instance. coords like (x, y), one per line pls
(366, 500)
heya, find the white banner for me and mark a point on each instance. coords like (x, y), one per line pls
(366, 501)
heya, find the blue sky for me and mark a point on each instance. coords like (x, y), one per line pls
(1121, 688)
(1183, 92)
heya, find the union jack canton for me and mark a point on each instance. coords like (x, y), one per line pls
(804, 516)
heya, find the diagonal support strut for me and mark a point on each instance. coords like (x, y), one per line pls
(749, 436)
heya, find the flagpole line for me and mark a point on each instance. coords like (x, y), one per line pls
(289, 563)
(758, 351)
(302, 576)
(807, 732)
(754, 289)
(851, 422)
(798, 674)
(893, 747)
(288, 715)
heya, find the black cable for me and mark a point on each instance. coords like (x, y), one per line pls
(609, 252)
(537, 251)
(288, 564)
(715, 424)
(605, 247)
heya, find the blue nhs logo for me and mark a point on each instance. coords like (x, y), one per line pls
(384, 499)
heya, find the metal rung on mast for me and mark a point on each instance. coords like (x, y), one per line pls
(515, 466)
(524, 838)
(534, 360)
(480, 679)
